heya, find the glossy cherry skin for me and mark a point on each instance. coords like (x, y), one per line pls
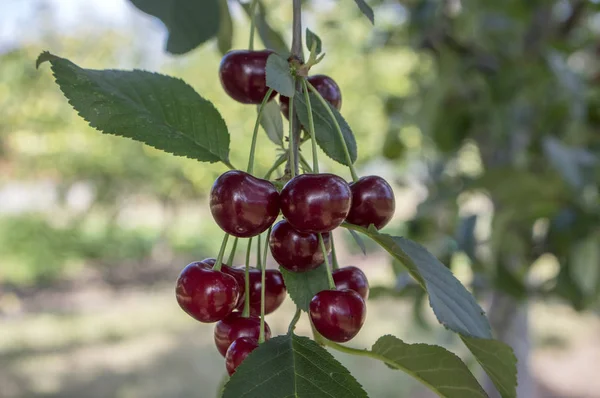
(315, 202)
(243, 77)
(243, 205)
(275, 291)
(235, 326)
(352, 278)
(325, 85)
(338, 314)
(206, 295)
(373, 202)
(297, 251)
(238, 351)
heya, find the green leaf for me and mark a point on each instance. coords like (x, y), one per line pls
(325, 132)
(291, 366)
(279, 77)
(453, 305)
(313, 38)
(498, 361)
(358, 241)
(436, 367)
(225, 34)
(161, 111)
(190, 22)
(272, 122)
(302, 286)
(366, 9)
(270, 38)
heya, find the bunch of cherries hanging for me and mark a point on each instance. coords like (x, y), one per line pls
(312, 205)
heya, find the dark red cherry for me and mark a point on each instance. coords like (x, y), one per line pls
(243, 205)
(373, 202)
(325, 85)
(206, 295)
(235, 326)
(315, 202)
(338, 314)
(238, 351)
(275, 290)
(352, 278)
(294, 250)
(243, 77)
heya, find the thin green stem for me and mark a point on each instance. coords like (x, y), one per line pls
(294, 320)
(218, 263)
(305, 164)
(327, 265)
(337, 128)
(336, 265)
(252, 24)
(311, 126)
(232, 253)
(293, 148)
(263, 270)
(228, 164)
(258, 247)
(280, 160)
(246, 312)
(255, 133)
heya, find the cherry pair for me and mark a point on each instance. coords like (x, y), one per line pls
(243, 77)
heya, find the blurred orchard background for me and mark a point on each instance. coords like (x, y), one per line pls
(485, 116)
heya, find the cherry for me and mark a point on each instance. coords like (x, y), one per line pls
(238, 351)
(243, 205)
(206, 295)
(236, 326)
(243, 76)
(338, 314)
(294, 250)
(325, 85)
(351, 278)
(372, 202)
(315, 202)
(275, 290)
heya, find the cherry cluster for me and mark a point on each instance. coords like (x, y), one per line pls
(312, 205)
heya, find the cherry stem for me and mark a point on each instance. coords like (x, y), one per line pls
(246, 312)
(337, 128)
(252, 24)
(305, 164)
(311, 127)
(293, 147)
(336, 265)
(263, 269)
(258, 260)
(232, 253)
(280, 160)
(228, 164)
(294, 320)
(255, 133)
(218, 263)
(327, 265)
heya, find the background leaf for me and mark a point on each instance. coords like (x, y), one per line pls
(269, 36)
(325, 132)
(438, 368)
(311, 38)
(159, 110)
(190, 22)
(499, 362)
(279, 77)
(453, 305)
(292, 366)
(366, 10)
(272, 122)
(359, 242)
(302, 286)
